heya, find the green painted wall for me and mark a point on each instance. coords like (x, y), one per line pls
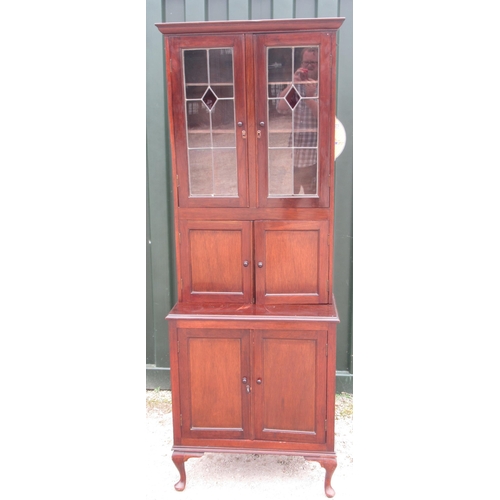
(160, 247)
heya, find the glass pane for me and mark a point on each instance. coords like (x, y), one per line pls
(209, 98)
(221, 65)
(293, 120)
(225, 172)
(305, 177)
(223, 91)
(223, 124)
(280, 127)
(280, 172)
(279, 64)
(195, 91)
(292, 97)
(200, 172)
(305, 130)
(195, 66)
(306, 64)
(198, 125)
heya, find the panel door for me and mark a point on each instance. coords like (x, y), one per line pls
(214, 398)
(209, 113)
(290, 385)
(216, 261)
(295, 117)
(292, 262)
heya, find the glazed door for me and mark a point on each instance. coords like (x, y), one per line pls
(292, 262)
(290, 385)
(210, 122)
(216, 261)
(214, 383)
(295, 114)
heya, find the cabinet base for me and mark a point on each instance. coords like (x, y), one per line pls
(327, 460)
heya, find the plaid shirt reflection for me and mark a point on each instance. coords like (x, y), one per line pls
(305, 134)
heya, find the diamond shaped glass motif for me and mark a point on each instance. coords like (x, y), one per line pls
(293, 97)
(209, 98)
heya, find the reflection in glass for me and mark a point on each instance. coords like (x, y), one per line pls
(223, 129)
(225, 172)
(280, 171)
(279, 66)
(280, 127)
(223, 90)
(221, 65)
(198, 126)
(292, 83)
(200, 172)
(195, 91)
(195, 66)
(210, 122)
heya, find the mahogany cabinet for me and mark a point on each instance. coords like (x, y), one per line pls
(253, 335)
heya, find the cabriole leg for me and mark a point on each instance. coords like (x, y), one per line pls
(329, 464)
(179, 458)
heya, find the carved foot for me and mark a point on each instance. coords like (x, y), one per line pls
(329, 464)
(179, 458)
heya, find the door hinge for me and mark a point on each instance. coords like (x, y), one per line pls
(178, 346)
(181, 419)
(326, 350)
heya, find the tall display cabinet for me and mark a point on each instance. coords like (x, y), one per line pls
(253, 335)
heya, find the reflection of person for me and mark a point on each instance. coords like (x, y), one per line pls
(305, 80)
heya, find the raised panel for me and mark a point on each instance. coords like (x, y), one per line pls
(216, 261)
(214, 400)
(290, 385)
(292, 262)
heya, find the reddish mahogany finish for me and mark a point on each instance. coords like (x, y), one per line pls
(253, 336)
